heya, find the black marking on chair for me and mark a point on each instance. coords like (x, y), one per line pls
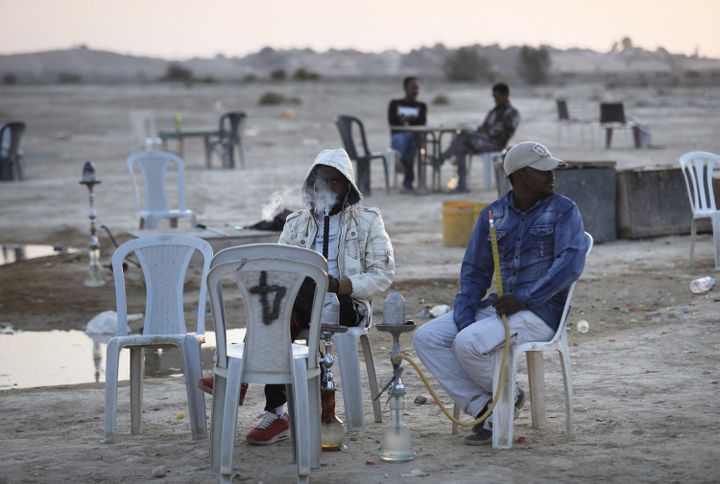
(269, 315)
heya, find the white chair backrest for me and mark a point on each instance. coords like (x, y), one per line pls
(697, 168)
(257, 250)
(153, 166)
(268, 277)
(568, 299)
(143, 127)
(164, 260)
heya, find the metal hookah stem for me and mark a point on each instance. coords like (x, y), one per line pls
(326, 234)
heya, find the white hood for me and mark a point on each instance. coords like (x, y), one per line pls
(338, 159)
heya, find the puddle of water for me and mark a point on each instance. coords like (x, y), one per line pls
(45, 358)
(10, 253)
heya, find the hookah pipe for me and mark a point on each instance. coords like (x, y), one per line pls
(506, 348)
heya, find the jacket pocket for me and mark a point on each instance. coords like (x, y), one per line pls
(504, 246)
(355, 243)
(542, 241)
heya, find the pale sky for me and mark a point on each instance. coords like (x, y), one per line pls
(181, 29)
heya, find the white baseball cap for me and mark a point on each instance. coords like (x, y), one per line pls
(532, 154)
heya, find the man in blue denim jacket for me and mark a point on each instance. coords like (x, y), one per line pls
(542, 248)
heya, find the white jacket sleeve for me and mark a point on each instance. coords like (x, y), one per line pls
(379, 262)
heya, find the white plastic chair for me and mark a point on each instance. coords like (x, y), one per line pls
(164, 260)
(698, 168)
(153, 166)
(504, 413)
(488, 157)
(346, 346)
(144, 130)
(269, 277)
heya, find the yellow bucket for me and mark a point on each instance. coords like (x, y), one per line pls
(478, 207)
(458, 223)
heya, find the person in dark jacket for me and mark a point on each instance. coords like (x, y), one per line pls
(407, 111)
(492, 135)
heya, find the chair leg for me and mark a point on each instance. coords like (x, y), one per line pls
(112, 359)
(608, 137)
(715, 219)
(195, 396)
(349, 361)
(536, 381)
(456, 414)
(487, 170)
(567, 381)
(387, 175)
(301, 422)
(137, 363)
(372, 376)
(503, 414)
(693, 231)
(363, 176)
(315, 410)
(216, 420)
(230, 411)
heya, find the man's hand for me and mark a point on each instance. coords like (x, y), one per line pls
(333, 284)
(507, 305)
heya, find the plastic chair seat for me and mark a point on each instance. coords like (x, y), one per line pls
(260, 269)
(488, 157)
(698, 168)
(164, 260)
(153, 167)
(346, 346)
(345, 125)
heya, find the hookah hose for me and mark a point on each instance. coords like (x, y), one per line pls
(506, 347)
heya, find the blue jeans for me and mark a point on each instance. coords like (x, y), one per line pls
(406, 143)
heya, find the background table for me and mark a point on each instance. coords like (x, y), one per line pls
(205, 133)
(430, 148)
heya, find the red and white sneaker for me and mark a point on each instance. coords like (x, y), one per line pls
(271, 429)
(206, 384)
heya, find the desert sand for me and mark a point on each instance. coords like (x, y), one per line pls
(645, 374)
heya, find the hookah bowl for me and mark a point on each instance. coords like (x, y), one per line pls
(332, 429)
(397, 441)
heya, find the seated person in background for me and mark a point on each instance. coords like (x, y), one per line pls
(493, 135)
(542, 248)
(407, 112)
(361, 264)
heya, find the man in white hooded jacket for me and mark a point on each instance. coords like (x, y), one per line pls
(361, 262)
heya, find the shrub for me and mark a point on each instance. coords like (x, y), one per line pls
(533, 64)
(69, 78)
(177, 73)
(278, 75)
(305, 75)
(271, 99)
(441, 100)
(465, 64)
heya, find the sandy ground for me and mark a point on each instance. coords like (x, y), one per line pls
(645, 374)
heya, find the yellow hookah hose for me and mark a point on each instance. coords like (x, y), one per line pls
(506, 347)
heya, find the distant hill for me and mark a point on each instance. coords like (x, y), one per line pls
(85, 64)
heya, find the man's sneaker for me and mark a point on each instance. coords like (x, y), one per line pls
(519, 403)
(270, 429)
(480, 437)
(206, 385)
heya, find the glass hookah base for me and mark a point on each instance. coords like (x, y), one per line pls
(397, 445)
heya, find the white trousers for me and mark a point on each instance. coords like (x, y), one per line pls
(463, 362)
